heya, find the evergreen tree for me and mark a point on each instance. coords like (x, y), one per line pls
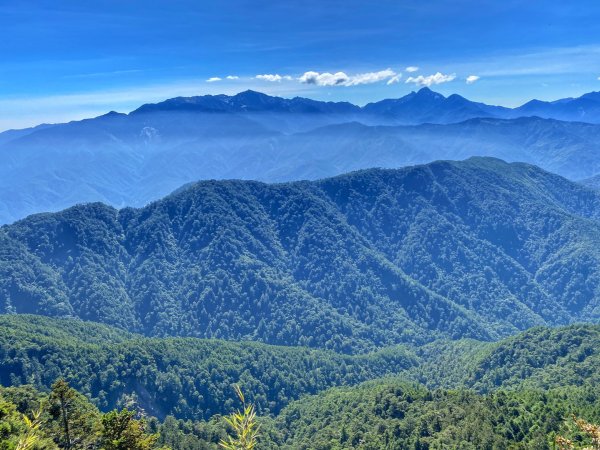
(74, 421)
(123, 432)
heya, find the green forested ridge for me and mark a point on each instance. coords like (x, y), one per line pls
(542, 358)
(385, 414)
(186, 377)
(476, 249)
(539, 358)
(192, 378)
(393, 415)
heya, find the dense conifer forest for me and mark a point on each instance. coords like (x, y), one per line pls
(436, 306)
(476, 249)
(516, 393)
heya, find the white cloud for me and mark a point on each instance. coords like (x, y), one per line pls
(232, 77)
(342, 79)
(472, 79)
(394, 79)
(411, 69)
(371, 77)
(324, 79)
(598, 78)
(430, 80)
(213, 79)
(273, 77)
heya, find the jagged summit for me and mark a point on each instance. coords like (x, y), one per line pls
(422, 106)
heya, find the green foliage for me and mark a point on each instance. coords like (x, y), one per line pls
(189, 378)
(541, 358)
(392, 414)
(121, 431)
(244, 425)
(11, 425)
(380, 414)
(74, 422)
(31, 438)
(476, 249)
(66, 420)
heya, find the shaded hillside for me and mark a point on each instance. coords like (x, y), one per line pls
(477, 249)
(568, 149)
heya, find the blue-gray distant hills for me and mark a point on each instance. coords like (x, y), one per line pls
(131, 159)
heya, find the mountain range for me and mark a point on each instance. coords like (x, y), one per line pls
(132, 159)
(478, 249)
(423, 106)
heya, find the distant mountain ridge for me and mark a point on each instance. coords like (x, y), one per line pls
(248, 101)
(423, 106)
(132, 159)
(478, 249)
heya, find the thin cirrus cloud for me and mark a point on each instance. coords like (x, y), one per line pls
(430, 80)
(395, 79)
(411, 69)
(472, 79)
(228, 77)
(342, 79)
(273, 77)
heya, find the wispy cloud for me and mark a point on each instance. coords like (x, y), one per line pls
(371, 77)
(411, 69)
(395, 79)
(554, 61)
(437, 78)
(112, 73)
(342, 79)
(472, 79)
(232, 77)
(273, 77)
(213, 79)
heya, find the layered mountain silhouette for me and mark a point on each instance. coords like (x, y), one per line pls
(423, 106)
(478, 249)
(132, 159)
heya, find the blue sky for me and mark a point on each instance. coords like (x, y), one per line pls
(64, 60)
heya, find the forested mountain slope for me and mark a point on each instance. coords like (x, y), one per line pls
(192, 378)
(395, 415)
(185, 377)
(540, 358)
(474, 249)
